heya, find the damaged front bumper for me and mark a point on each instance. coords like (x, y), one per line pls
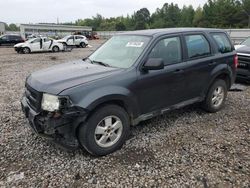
(60, 127)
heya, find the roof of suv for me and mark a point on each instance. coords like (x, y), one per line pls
(151, 32)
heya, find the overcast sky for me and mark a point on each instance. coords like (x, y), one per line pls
(37, 11)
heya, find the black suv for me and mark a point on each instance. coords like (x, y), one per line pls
(131, 78)
(10, 40)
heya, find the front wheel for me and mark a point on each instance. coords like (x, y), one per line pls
(105, 131)
(216, 96)
(26, 50)
(83, 45)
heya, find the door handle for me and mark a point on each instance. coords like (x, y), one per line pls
(212, 63)
(177, 71)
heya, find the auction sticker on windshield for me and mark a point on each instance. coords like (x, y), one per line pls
(135, 44)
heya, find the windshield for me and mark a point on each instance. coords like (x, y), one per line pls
(246, 42)
(66, 37)
(120, 51)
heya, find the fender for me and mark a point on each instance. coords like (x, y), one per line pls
(111, 93)
(221, 69)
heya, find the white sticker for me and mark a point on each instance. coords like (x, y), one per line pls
(135, 44)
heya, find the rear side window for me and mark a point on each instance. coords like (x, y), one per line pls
(197, 46)
(223, 42)
(79, 37)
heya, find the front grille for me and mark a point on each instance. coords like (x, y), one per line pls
(244, 62)
(34, 98)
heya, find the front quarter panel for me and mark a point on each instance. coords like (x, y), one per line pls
(93, 94)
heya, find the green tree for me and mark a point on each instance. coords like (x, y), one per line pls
(246, 9)
(120, 26)
(12, 27)
(187, 16)
(142, 18)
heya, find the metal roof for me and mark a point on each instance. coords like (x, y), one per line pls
(55, 27)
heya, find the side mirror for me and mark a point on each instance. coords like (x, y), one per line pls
(153, 64)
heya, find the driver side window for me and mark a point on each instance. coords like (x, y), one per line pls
(169, 50)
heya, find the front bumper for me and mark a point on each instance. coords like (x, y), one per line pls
(243, 74)
(57, 127)
(18, 49)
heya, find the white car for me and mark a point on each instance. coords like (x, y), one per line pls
(74, 40)
(39, 44)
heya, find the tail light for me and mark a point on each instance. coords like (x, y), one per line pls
(236, 61)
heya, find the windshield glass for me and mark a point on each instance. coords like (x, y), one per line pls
(246, 42)
(66, 37)
(120, 51)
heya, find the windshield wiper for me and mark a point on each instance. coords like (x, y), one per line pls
(100, 63)
(97, 62)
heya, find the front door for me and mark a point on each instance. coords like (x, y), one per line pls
(159, 89)
(36, 45)
(71, 41)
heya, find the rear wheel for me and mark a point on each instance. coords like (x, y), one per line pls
(216, 96)
(55, 49)
(26, 50)
(105, 131)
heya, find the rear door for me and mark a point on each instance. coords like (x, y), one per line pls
(47, 44)
(200, 62)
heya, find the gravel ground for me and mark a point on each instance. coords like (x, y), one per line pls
(185, 148)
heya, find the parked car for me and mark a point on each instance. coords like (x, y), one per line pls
(39, 44)
(131, 78)
(74, 40)
(243, 51)
(10, 40)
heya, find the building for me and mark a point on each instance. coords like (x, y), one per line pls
(2, 28)
(51, 30)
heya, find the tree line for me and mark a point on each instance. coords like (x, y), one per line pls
(214, 13)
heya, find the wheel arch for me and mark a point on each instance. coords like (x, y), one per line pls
(223, 73)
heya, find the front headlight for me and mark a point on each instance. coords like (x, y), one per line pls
(50, 102)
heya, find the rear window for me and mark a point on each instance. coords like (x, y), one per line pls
(223, 42)
(197, 46)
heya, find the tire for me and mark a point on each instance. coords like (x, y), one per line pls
(83, 45)
(216, 96)
(26, 50)
(102, 121)
(55, 49)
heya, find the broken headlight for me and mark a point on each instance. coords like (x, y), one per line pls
(50, 102)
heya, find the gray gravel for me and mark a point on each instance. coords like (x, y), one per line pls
(185, 148)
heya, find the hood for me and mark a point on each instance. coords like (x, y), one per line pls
(19, 44)
(243, 49)
(57, 78)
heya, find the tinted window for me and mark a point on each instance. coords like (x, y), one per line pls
(13, 37)
(222, 42)
(168, 49)
(79, 37)
(197, 46)
(4, 37)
